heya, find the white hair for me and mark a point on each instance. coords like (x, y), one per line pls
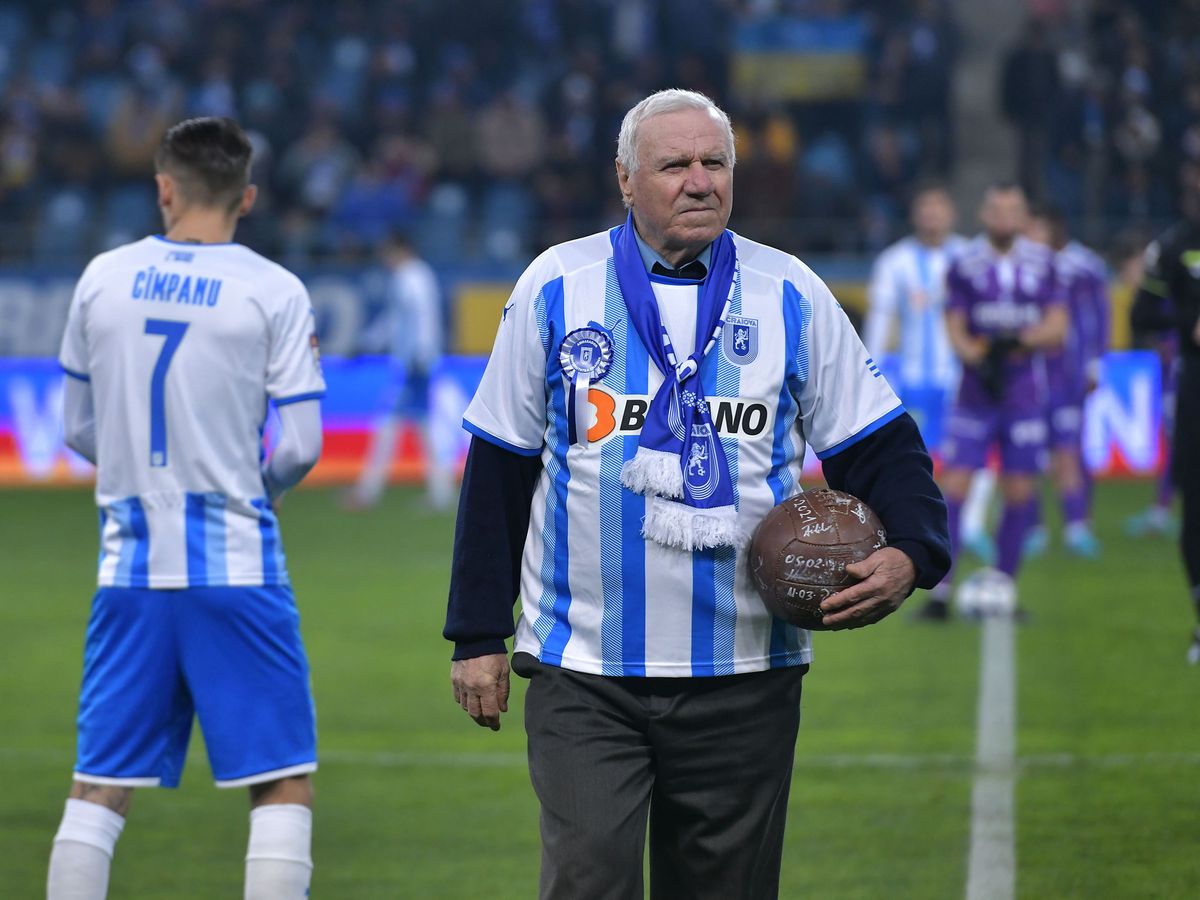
(659, 104)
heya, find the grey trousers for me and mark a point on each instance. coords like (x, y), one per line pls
(708, 760)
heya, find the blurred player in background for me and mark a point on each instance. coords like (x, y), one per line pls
(1169, 298)
(1005, 310)
(173, 347)
(1072, 372)
(1157, 518)
(415, 330)
(906, 316)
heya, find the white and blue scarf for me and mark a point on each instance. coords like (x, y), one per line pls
(680, 464)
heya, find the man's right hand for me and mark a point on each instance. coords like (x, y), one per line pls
(993, 369)
(481, 687)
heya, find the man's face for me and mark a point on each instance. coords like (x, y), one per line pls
(1003, 215)
(682, 193)
(933, 214)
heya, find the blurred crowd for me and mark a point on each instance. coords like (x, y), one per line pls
(1106, 102)
(485, 127)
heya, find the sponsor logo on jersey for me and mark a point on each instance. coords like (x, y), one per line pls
(739, 340)
(1007, 313)
(625, 414)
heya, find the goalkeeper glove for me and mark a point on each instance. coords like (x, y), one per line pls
(994, 367)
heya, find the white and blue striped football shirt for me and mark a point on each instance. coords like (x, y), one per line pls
(906, 312)
(183, 344)
(595, 595)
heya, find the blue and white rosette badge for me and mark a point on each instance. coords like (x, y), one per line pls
(585, 356)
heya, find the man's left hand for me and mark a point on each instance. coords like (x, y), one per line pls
(887, 577)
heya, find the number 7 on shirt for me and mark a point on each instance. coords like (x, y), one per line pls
(172, 333)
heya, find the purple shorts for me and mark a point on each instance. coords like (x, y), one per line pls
(1064, 417)
(1021, 435)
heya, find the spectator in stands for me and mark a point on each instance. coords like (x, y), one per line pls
(1029, 94)
(923, 49)
(768, 146)
(316, 169)
(90, 85)
(512, 137)
(384, 196)
(450, 130)
(142, 117)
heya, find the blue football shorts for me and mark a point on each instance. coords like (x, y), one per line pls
(229, 656)
(408, 392)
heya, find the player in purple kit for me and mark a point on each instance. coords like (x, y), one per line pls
(1072, 373)
(1004, 311)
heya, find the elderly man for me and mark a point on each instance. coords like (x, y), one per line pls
(647, 402)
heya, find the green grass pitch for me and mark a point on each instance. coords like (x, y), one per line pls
(414, 800)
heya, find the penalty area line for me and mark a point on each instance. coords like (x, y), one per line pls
(991, 865)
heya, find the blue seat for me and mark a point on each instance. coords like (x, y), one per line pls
(506, 221)
(62, 233)
(130, 214)
(101, 94)
(49, 63)
(442, 233)
(14, 26)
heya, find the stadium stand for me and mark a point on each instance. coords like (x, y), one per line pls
(1107, 109)
(488, 124)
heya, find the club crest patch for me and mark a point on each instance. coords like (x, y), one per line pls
(739, 340)
(586, 352)
(315, 346)
(700, 471)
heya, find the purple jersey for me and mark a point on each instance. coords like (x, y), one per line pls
(1004, 294)
(1083, 278)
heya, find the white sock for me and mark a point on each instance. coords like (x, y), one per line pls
(373, 479)
(83, 850)
(975, 507)
(279, 853)
(439, 474)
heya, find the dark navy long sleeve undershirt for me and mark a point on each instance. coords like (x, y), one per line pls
(489, 540)
(889, 469)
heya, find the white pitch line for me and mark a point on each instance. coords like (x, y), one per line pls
(931, 762)
(991, 866)
(405, 760)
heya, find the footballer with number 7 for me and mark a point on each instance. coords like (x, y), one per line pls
(173, 347)
(646, 404)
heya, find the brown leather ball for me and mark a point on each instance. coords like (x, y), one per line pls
(800, 550)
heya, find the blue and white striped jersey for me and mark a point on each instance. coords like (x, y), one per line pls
(415, 315)
(906, 312)
(595, 595)
(183, 344)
